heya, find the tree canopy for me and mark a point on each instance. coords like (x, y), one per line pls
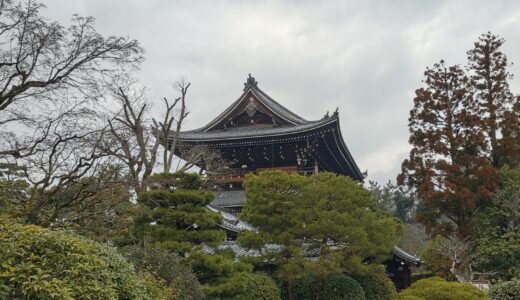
(174, 214)
(327, 214)
(498, 231)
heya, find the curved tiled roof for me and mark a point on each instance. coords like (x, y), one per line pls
(247, 132)
(245, 252)
(290, 130)
(229, 198)
(400, 253)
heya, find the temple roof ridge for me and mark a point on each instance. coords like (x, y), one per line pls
(251, 86)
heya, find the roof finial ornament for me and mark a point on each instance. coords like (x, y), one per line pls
(326, 115)
(336, 111)
(251, 82)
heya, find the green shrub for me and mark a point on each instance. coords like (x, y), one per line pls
(409, 297)
(167, 267)
(423, 275)
(243, 286)
(301, 289)
(341, 287)
(37, 263)
(377, 287)
(509, 290)
(436, 288)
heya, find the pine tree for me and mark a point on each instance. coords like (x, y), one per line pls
(174, 214)
(495, 104)
(327, 214)
(447, 166)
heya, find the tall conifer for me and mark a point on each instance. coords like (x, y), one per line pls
(495, 104)
(447, 165)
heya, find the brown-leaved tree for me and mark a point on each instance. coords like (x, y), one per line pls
(497, 107)
(447, 165)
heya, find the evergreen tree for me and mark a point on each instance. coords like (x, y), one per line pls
(498, 231)
(327, 214)
(394, 200)
(446, 166)
(174, 214)
(495, 104)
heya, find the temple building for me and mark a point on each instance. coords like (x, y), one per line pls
(256, 133)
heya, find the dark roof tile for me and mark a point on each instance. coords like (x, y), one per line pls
(241, 133)
(229, 198)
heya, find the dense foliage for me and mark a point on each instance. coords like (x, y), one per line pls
(246, 286)
(436, 262)
(214, 269)
(342, 287)
(377, 287)
(38, 263)
(174, 214)
(498, 240)
(497, 107)
(302, 288)
(435, 288)
(175, 274)
(343, 213)
(394, 200)
(464, 125)
(509, 290)
(446, 165)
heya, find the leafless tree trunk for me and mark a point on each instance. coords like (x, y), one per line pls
(134, 143)
(206, 158)
(170, 138)
(459, 252)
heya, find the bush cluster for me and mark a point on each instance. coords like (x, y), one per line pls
(300, 289)
(37, 263)
(245, 285)
(370, 287)
(163, 264)
(509, 290)
(436, 288)
(377, 287)
(342, 287)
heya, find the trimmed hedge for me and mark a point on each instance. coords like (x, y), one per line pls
(245, 285)
(342, 287)
(377, 287)
(509, 290)
(38, 263)
(436, 288)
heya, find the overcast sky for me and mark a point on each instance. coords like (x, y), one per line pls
(364, 57)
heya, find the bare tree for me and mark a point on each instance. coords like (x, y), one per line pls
(133, 141)
(69, 156)
(164, 129)
(41, 63)
(207, 159)
(136, 140)
(459, 252)
(50, 79)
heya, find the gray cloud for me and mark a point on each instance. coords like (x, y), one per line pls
(365, 57)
